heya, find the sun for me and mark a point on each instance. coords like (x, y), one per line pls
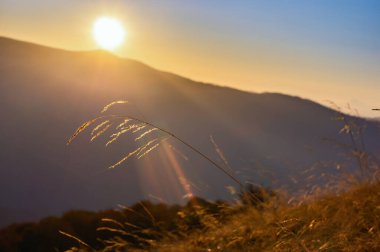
(108, 32)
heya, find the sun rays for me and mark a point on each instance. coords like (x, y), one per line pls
(147, 138)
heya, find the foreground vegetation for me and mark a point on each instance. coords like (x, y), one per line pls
(261, 220)
(346, 222)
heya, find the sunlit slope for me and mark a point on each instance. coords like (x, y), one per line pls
(345, 222)
(45, 94)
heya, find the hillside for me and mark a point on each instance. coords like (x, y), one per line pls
(46, 93)
(348, 222)
(345, 222)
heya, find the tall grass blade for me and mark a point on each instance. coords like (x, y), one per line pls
(108, 106)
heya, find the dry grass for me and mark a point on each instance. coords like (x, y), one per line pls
(147, 135)
(346, 222)
(349, 222)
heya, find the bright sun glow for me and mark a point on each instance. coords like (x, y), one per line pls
(108, 32)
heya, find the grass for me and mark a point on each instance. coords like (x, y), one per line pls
(348, 221)
(120, 125)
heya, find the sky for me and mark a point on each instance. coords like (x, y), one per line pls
(323, 50)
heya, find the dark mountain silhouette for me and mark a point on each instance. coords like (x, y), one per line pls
(45, 94)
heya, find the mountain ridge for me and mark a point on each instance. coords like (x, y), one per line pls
(115, 56)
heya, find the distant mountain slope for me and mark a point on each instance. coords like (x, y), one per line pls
(45, 94)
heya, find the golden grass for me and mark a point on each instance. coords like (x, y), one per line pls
(108, 106)
(345, 222)
(349, 222)
(129, 124)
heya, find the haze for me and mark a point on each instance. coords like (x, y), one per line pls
(321, 50)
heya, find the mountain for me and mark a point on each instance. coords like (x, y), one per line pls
(46, 93)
